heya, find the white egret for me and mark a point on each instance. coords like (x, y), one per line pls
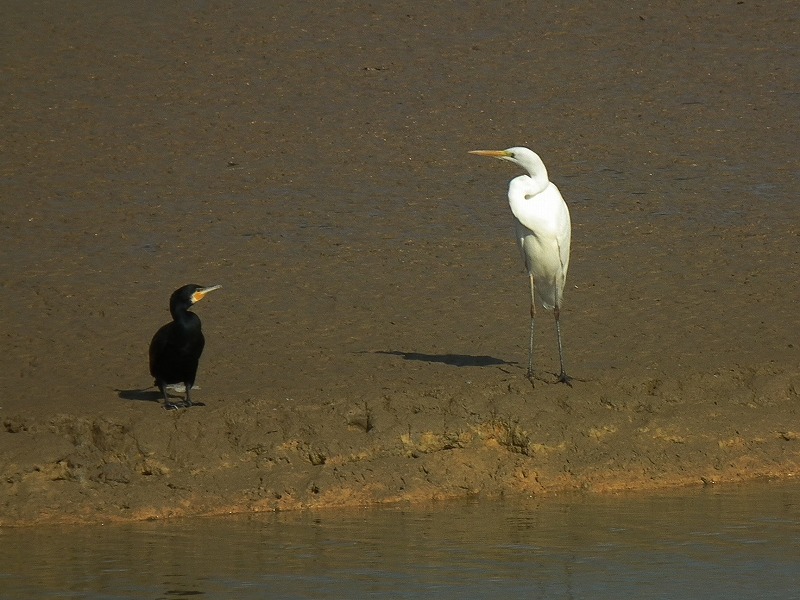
(543, 231)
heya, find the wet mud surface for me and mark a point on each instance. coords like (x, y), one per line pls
(369, 342)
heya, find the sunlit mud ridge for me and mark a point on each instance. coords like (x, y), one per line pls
(487, 442)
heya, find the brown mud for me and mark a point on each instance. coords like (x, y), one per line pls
(369, 342)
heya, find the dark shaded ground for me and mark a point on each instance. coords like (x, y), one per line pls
(369, 342)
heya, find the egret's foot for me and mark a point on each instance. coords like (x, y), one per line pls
(564, 378)
(531, 377)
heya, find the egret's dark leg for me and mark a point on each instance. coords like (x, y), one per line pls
(533, 329)
(563, 377)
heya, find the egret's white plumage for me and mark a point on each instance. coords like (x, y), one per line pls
(543, 232)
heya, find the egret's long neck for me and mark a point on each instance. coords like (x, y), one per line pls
(537, 172)
(539, 181)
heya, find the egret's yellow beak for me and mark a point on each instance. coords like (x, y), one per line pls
(200, 294)
(492, 153)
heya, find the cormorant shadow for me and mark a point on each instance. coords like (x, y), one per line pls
(455, 360)
(151, 394)
(142, 395)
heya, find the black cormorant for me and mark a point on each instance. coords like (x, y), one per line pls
(176, 347)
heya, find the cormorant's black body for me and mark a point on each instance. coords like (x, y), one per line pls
(176, 347)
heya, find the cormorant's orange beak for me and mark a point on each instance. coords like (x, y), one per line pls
(200, 294)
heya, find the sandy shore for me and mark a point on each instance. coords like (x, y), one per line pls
(369, 342)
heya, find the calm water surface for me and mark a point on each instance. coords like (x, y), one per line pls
(715, 542)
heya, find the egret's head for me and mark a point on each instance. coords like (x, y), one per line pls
(525, 158)
(517, 154)
(501, 154)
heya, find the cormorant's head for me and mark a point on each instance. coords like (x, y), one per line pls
(189, 294)
(200, 291)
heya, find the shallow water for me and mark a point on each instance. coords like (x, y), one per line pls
(715, 542)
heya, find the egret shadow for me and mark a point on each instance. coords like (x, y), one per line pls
(454, 360)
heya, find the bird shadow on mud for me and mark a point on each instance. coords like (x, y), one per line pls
(143, 395)
(455, 360)
(152, 394)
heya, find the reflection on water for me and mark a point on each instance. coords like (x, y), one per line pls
(716, 542)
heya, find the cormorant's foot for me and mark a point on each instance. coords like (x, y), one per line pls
(564, 378)
(170, 406)
(189, 403)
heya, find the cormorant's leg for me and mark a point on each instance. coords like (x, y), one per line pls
(167, 404)
(188, 402)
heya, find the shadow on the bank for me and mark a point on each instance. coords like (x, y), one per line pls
(455, 360)
(154, 394)
(142, 395)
